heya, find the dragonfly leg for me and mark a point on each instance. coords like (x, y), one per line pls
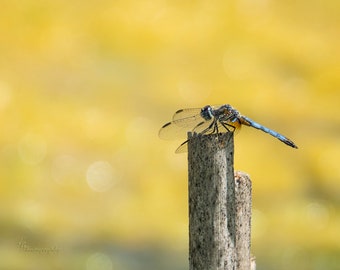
(215, 127)
(213, 124)
(229, 127)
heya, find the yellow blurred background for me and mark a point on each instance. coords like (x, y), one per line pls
(84, 88)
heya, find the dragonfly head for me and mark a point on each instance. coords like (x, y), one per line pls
(207, 112)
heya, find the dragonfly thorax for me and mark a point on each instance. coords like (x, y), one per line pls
(227, 113)
(207, 113)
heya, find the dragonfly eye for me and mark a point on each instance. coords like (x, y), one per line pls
(207, 113)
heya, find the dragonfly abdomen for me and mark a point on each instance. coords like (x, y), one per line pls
(247, 121)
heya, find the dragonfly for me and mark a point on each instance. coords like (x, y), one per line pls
(210, 120)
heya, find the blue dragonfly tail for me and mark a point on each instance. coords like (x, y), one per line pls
(248, 122)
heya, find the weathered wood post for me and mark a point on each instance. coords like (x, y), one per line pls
(219, 206)
(243, 203)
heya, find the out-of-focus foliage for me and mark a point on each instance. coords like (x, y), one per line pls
(84, 88)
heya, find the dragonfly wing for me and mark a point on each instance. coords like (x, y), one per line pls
(204, 127)
(189, 112)
(171, 131)
(186, 113)
(183, 148)
(179, 128)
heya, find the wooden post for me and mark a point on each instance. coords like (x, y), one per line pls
(219, 218)
(243, 222)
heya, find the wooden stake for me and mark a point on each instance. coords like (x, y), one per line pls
(219, 220)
